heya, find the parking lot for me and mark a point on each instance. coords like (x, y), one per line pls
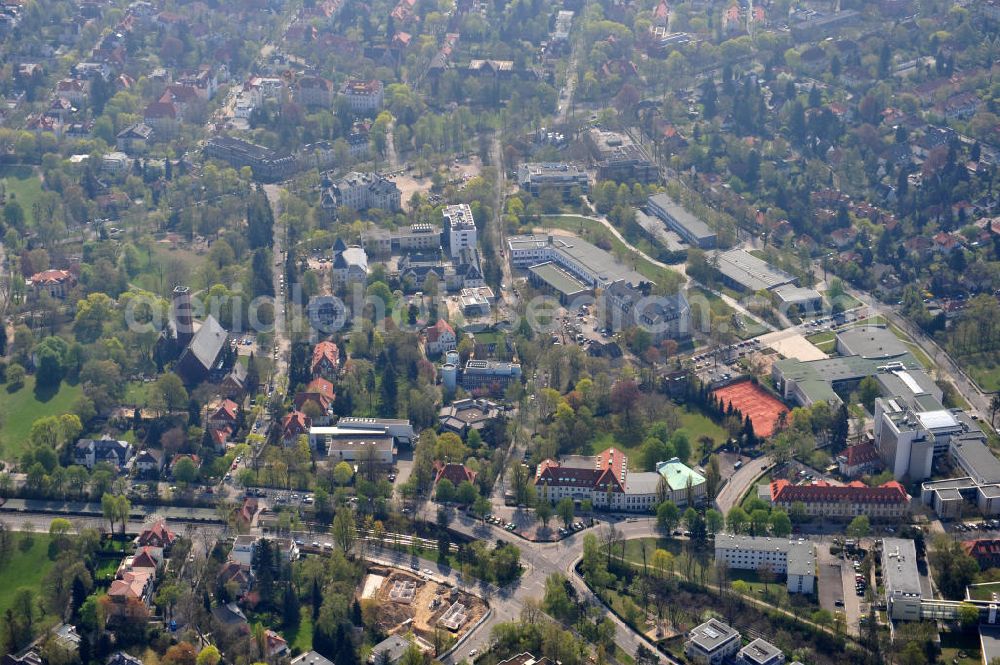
(836, 587)
(720, 364)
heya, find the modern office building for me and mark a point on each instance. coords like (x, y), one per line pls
(795, 559)
(693, 230)
(486, 374)
(459, 228)
(412, 238)
(618, 158)
(901, 579)
(591, 265)
(536, 177)
(712, 642)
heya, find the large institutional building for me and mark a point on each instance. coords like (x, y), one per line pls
(605, 481)
(821, 499)
(795, 559)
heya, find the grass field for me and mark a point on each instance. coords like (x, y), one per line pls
(694, 424)
(302, 636)
(960, 649)
(24, 185)
(19, 409)
(984, 591)
(825, 341)
(26, 568)
(593, 231)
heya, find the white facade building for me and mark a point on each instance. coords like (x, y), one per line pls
(460, 227)
(794, 558)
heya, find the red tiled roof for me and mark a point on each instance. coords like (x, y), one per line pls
(295, 423)
(327, 350)
(321, 386)
(51, 277)
(156, 535)
(161, 110)
(434, 332)
(228, 409)
(983, 548)
(456, 473)
(784, 492)
(861, 454)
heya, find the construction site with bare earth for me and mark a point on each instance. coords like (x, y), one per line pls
(415, 604)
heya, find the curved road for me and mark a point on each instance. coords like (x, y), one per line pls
(541, 560)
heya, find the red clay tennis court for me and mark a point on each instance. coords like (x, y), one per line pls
(752, 400)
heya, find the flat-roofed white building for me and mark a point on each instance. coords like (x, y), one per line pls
(796, 559)
(901, 579)
(712, 642)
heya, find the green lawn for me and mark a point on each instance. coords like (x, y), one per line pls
(302, 636)
(593, 231)
(694, 424)
(18, 410)
(23, 185)
(984, 591)
(26, 568)
(698, 425)
(987, 376)
(633, 548)
(137, 393)
(825, 341)
(963, 649)
(848, 301)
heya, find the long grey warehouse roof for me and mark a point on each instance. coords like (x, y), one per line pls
(748, 271)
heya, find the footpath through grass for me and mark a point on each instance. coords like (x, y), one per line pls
(18, 410)
(26, 568)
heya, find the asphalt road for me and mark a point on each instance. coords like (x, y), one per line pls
(740, 482)
(541, 560)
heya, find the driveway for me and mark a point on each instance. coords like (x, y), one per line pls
(836, 582)
(741, 481)
(404, 467)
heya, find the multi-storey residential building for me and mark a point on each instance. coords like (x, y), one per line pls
(325, 361)
(350, 265)
(439, 338)
(89, 452)
(266, 164)
(663, 317)
(459, 228)
(795, 559)
(360, 191)
(888, 501)
(536, 177)
(986, 552)
(314, 91)
(56, 283)
(364, 97)
(760, 652)
(712, 642)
